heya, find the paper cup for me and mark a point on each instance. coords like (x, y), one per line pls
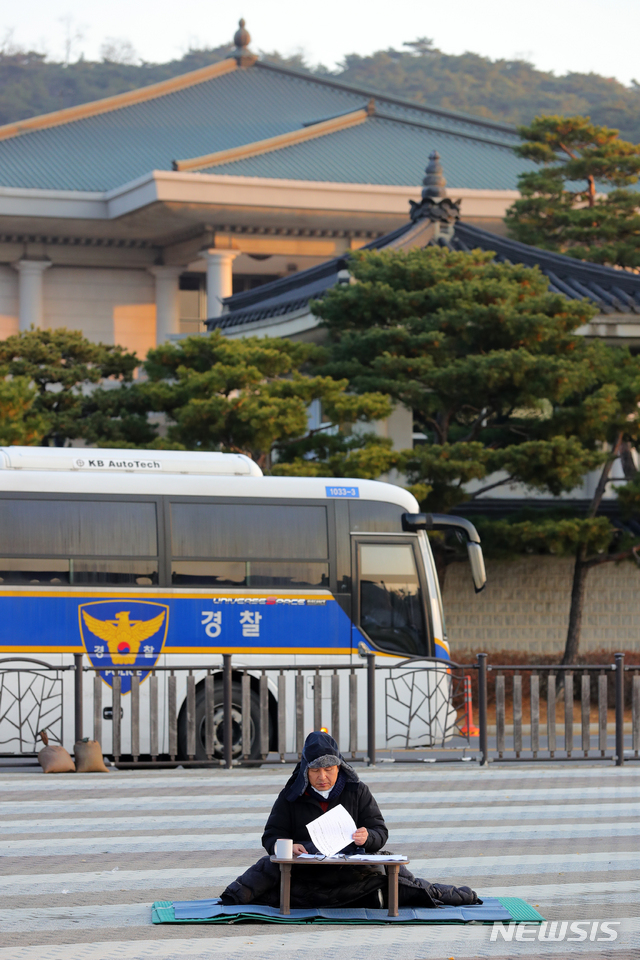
(284, 849)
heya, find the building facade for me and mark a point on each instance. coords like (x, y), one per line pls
(133, 218)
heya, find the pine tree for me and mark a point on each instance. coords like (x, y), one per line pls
(20, 420)
(60, 366)
(561, 208)
(500, 385)
(247, 396)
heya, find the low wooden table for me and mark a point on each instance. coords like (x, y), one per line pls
(393, 871)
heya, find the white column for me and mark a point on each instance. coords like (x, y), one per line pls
(219, 278)
(167, 301)
(30, 299)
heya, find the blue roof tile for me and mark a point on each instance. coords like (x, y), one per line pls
(248, 105)
(385, 151)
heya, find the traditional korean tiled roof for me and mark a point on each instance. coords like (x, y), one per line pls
(289, 294)
(228, 107)
(613, 291)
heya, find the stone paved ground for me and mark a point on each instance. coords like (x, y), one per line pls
(83, 857)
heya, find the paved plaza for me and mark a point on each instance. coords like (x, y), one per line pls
(83, 857)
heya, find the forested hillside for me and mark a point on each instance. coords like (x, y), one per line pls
(505, 90)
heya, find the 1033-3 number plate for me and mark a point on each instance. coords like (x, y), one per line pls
(343, 492)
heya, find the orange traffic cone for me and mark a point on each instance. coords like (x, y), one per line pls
(468, 729)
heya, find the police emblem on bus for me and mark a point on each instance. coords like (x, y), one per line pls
(123, 633)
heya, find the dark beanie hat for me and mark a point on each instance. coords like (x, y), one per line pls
(320, 750)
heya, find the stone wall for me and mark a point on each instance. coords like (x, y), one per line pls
(525, 607)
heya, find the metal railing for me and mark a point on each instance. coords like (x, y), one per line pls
(229, 714)
(554, 686)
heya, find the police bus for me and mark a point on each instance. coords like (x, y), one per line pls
(138, 558)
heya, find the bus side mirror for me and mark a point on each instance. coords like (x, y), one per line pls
(462, 526)
(476, 562)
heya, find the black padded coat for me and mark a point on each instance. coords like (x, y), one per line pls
(289, 818)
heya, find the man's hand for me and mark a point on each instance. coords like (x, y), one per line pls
(298, 848)
(360, 836)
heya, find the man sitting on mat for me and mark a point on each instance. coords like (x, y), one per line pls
(321, 781)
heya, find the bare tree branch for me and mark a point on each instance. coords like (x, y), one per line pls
(491, 486)
(614, 557)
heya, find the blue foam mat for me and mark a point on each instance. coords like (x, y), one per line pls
(212, 911)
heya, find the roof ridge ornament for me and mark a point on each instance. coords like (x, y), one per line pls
(435, 205)
(434, 184)
(242, 54)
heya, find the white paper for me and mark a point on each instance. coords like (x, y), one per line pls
(321, 856)
(386, 858)
(343, 858)
(333, 831)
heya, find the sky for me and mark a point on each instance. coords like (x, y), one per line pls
(559, 35)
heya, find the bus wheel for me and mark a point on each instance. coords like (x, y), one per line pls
(218, 725)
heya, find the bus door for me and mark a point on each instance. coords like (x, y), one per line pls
(390, 610)
(388, 602)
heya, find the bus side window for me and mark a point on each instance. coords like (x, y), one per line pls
(251, 573)
(64, 542)
(17, 572)
(231, 531)
(390, 598)
(143, 573)
(374, 516)
(249, 545)
(77, 528)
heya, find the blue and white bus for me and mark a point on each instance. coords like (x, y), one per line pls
(136, 558)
